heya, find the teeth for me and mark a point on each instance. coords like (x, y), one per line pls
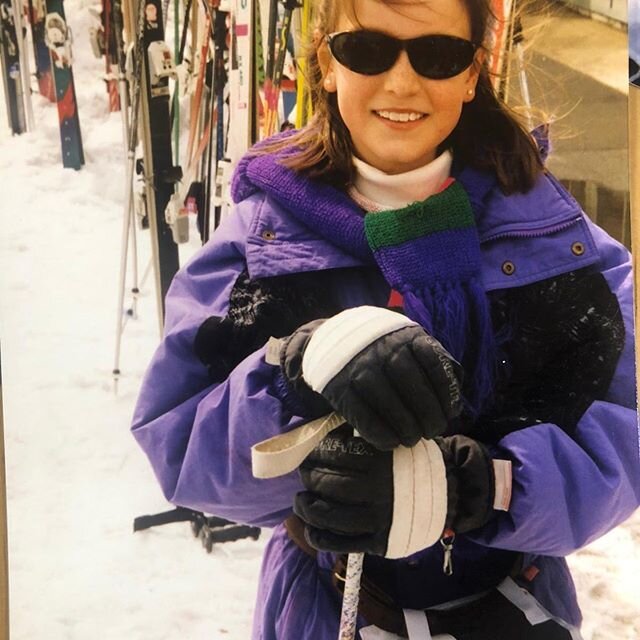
(400, 117)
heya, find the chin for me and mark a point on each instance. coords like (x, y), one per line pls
(403, 164)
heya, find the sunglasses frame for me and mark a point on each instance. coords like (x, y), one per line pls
(402, 45)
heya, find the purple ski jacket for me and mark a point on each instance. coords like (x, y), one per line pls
(576, 472)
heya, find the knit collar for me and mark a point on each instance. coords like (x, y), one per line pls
(386, 191)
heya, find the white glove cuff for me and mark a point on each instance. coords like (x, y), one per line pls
(339, 339)
(419, 499)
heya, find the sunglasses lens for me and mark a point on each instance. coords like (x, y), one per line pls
(365, 52)
(438, 57)
(370, 53)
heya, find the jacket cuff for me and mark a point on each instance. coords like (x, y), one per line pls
(471, 483)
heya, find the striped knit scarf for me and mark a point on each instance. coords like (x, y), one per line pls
(429, 252)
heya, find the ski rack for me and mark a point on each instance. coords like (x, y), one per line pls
(209, 529)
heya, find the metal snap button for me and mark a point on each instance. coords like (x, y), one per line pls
(577, 248)
(269, 235)
(508, 268)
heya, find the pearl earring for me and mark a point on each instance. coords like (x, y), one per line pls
(328, 83)
(469, 92)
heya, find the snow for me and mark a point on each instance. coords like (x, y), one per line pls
(75, 477)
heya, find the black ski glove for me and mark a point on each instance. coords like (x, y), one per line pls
(392, 381)
(393, 503)
(315, 405)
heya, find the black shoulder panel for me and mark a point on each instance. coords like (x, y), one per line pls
(561, 341)
(259, 309)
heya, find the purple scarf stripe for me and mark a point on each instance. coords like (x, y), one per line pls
(428, 258)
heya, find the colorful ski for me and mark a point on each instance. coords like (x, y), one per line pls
(44, 75)
(160, 174)
(58, 39)
(241, 103)
(500, 44)
(274, 84)
(220, 81)
(11, 67)
(110, 55)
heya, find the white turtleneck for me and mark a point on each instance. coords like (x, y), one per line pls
(384, 191)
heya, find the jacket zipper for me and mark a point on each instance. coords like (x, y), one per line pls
(532, 233)
(448, 537)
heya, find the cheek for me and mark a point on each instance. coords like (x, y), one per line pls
(447, 99)
(353, 93)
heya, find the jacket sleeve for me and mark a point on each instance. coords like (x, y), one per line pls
(198, 434)
(569, 488)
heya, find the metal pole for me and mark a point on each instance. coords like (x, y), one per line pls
(634, 192)
(4, 550)
(24, 63)
(351, 594)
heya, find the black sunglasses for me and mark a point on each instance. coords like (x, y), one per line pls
(371, 52)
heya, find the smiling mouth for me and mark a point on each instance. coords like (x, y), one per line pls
(395, 116)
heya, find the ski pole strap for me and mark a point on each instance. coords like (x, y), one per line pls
(285, 452)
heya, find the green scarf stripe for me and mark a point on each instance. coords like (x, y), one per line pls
(449, 209)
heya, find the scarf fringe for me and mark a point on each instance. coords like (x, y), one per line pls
(458, 315)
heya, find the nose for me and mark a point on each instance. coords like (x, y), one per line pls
(402, 79)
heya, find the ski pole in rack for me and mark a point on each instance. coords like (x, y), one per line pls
(135, 30)
(507, 39)
(24, 61)
(58, 39)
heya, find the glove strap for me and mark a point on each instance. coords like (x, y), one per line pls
(285, 452)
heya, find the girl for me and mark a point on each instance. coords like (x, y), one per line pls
(440, 290)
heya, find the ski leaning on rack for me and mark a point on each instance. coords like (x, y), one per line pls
(37, 15)
(58, 39)
(104, 43)
(160, 174)
(11, 65)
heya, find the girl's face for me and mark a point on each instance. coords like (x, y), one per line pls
(367, 103)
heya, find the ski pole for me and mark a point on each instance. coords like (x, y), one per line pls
(284, 453)
(351, 593)
(518, 39)
(351, 596)
(24, 64)
(131, 140)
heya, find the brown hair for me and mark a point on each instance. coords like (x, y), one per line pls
(488, 135)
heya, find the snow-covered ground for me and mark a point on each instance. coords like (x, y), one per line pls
(75, 477)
